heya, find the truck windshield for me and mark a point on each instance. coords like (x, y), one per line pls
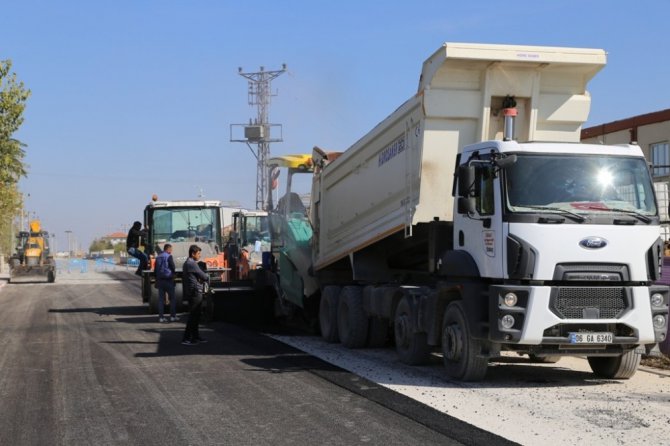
(580, 184)
(185, 224)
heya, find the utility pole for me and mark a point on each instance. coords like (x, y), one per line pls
(258, 131)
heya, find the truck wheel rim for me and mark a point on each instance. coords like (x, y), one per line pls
(453, 342)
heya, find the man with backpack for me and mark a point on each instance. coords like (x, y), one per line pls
(165, 272)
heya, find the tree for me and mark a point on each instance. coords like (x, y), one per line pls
(13, 97)
(99, 245)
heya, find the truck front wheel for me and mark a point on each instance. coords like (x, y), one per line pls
(412, 347)
(330, 298)
(615, 367)
(462, 354)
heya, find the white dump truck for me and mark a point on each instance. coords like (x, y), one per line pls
(441, 227)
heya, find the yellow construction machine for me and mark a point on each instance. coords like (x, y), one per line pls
(32, 257)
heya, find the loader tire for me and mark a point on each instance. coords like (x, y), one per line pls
(153, 301)
(51, 277)
(146, 287)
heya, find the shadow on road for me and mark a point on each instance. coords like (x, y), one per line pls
(240, 335)
(128, 310)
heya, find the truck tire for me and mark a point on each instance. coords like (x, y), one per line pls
(412, 347)
(378, 333)
(352, 322)
(615, 367)
(330, 300)
(461, 353)
(51, 276)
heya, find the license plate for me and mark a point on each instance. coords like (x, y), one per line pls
(591, 338)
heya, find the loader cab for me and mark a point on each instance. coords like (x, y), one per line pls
(21, 241)
(249, 241)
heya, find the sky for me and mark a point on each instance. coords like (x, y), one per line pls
(136, 97)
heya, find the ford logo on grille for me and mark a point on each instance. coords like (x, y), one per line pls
(593, 243)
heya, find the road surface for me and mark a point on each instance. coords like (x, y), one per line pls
(83, 363)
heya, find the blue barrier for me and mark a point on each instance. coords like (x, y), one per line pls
(80, 264)
(104, 264)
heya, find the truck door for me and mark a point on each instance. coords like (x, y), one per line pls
(481, 233)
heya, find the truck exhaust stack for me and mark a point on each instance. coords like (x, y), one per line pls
(509, 112)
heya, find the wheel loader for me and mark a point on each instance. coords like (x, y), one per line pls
(32, 258)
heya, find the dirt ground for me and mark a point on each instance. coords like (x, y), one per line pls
(659, 362)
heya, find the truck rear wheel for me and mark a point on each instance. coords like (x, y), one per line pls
(379, 332)
(615, 367)
(328, 313)
(412, 347)
(352, 322)
(462, 354)
(51, 276)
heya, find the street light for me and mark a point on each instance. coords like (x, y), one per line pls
(69, 246)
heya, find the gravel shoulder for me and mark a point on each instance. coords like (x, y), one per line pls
(531, 404)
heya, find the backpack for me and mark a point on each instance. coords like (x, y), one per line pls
(163, 270)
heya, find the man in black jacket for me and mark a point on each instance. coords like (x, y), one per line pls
(193, 279)
(133, 246)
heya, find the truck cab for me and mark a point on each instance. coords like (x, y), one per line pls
(565, 239)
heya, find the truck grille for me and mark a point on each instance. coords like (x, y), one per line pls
(592, 272)
(588, 303)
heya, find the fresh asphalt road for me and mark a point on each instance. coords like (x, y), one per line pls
(81, 362)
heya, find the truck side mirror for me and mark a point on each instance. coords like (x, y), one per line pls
(467, 205)
(506, 161)
(466, 181)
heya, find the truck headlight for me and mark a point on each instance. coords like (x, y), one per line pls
(510, 299)
(657, 300)
(507, 321)
(659, 321)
